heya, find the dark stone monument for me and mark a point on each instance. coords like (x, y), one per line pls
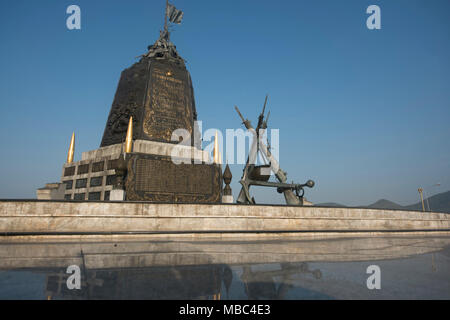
(154, 97)
(157, 92)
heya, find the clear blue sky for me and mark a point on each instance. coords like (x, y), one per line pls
(364, 113)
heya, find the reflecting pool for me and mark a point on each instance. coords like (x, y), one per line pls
(306, 267)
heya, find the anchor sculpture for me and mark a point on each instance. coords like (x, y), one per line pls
(259, 175)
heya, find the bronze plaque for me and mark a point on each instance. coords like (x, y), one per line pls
(158, 95)
(158, 179)
(169, 102)
(156, 175)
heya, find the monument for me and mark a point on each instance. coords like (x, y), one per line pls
(138, 165)
(154, 98)
(153, 101)
(135, 165)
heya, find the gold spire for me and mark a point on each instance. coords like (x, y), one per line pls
(71, 149)
(216, 149)
(129, 138)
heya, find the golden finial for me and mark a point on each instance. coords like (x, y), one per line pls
(129, 138)
(71, 149)
(216, 149)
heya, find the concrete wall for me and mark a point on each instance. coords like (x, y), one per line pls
(64, 216)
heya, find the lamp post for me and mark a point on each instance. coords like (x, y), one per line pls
(421, 198)
(421, 190)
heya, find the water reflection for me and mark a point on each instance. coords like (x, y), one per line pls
(326, 268)
(192, 282)
(262, 284)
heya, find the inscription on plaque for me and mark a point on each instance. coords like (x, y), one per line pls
(170, 106)
(156, 175)
(158, 94)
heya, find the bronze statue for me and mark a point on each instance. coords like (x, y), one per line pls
(259, 175)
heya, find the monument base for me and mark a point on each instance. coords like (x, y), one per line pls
(154, 172)
(84, 218)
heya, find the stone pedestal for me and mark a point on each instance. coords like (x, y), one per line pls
(227, 199)
(117, 195)
(150, 174)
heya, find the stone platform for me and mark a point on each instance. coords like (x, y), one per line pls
(152, 175)
(81, 217)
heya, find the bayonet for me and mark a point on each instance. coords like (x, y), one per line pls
(261, 116)
(246, 122)
(264, 126)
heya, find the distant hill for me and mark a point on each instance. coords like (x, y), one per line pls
(438, 203)
(385, 204)
(330, 204)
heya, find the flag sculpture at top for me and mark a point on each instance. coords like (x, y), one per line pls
(174, 15)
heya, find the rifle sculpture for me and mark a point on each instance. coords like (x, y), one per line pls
(259, 174)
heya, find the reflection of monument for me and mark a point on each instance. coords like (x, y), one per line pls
(156, 96)
(178, 282)
(174, 282)
(261, 284)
